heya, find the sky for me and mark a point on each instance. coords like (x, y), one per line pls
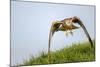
(31, 22)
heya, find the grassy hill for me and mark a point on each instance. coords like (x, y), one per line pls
(75, 53)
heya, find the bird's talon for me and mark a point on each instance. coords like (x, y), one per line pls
(71, 33)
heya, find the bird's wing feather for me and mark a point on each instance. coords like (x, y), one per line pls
(86, 32)
(54, 27)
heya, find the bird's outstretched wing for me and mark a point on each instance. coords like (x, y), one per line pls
(77, 20)
(54, 28)
(86, 32)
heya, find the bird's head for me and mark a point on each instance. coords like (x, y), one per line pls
(75, 19)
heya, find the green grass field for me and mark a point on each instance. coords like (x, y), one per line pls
(75, 53)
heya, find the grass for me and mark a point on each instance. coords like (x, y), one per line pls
(75, 53)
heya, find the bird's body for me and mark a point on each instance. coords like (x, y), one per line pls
(65, 25)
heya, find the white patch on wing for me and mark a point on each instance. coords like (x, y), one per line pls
(60, 26)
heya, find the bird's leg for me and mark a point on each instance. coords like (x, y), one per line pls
(66, 33)
(71, 32)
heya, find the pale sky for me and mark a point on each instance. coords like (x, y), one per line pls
(31, 22)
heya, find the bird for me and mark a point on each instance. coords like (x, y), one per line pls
(65, 25)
